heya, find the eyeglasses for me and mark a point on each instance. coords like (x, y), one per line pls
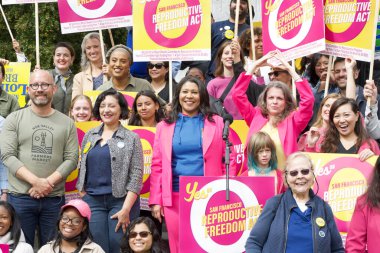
(276, 73)
(74, 221)
(142, 234)
(294, 173)
(44, 86)
(157, 65)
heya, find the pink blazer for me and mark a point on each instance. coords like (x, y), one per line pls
(290, 128)
(161, 169)
(364, 228)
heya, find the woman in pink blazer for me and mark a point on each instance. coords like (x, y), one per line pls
(364, 232)
(276, 112)
(187, 143)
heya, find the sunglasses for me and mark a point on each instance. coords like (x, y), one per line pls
(142, 234)
(294, 173)
(276, 73)
(157, 65)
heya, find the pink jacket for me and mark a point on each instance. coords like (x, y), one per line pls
(161, 169)
(364, 228)
(290, 128)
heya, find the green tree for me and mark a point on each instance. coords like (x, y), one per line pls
(22, 23)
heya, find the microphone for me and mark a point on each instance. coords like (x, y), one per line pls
(227, 119)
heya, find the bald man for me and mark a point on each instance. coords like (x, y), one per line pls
(39, 146)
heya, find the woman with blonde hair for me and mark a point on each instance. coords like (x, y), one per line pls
(93, 72)
(309, 139)
(81, 108)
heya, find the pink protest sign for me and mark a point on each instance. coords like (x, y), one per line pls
(209, 223)
(295, 27)
(89, 15)
(171, 30)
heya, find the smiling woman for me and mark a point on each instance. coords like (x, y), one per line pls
(346, 133)
(63, 58)
(120, 61)
(142, 236)
(297, 220)
(73, 231)
(111, 170)
(187, 143)
(93, 72)
(276, 111)
(10, 230)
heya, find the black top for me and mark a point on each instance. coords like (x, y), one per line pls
(343, 150)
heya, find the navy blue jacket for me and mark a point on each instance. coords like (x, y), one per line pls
(270, 231)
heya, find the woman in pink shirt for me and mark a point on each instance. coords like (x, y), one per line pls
(364, 231)
(276, 112)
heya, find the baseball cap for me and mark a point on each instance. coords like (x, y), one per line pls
(81, 206)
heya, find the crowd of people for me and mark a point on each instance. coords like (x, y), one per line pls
(39, 145)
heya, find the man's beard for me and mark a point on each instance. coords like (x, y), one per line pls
(242, 14)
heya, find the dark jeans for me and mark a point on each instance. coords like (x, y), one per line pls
(102, 227)
(43, 212)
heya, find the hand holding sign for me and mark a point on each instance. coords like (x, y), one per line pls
(235, 48)
(370, 91)
(4, 61)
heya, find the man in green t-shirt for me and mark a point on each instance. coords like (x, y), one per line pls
(39, 146)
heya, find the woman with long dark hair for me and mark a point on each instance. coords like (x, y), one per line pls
(363, 234)
(73, 231)
(10, 230)
(146, 110)
(187, 143)
(346, 132)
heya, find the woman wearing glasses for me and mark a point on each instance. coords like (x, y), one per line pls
(297, 220)
(159, 79)
(73, 231)
(276, 112)
(142, 236)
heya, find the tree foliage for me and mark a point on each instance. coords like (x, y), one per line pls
(22, 23)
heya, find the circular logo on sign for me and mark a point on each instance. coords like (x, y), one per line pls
(200, 206)
(95, 13)
(278, 40)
